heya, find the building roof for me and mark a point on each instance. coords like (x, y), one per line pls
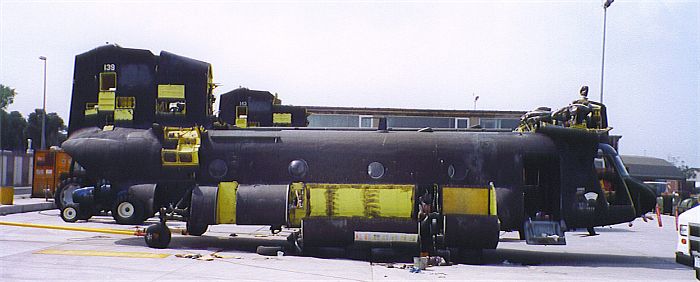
(648, 168)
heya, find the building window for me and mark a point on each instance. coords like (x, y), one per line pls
(501, 123)
(489, 123)
(509, 123)
(366, 121)
(420, 122)
(462, 123)
(316, 120)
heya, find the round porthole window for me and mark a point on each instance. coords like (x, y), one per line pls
(218, 168)
(457, 171)
(298, 168)
(375, 170)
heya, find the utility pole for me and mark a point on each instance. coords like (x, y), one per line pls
(606, 4)
(43, 115)
(2, 155)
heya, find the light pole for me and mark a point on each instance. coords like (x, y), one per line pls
(606, 4)
(43, 115)
(2, 155)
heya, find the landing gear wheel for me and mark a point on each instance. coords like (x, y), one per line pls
(127, 210)
(158, 236)
(196, 229)
(591, 231)
(73, 213)
(64, 193)
(268, 250)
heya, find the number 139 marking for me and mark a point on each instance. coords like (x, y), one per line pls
(109, 67)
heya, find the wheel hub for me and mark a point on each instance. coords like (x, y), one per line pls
(70, 213)
(125, 210)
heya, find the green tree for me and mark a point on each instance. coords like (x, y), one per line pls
(55, 129)
(13, 127)
(7, 96)
(687, 171)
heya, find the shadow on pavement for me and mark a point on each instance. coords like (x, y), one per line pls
(524, 257)
(505, 257)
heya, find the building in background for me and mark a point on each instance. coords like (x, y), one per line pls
(411, 118)
(16, 168)
(661, 174)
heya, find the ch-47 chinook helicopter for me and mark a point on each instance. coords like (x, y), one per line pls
(257, 164)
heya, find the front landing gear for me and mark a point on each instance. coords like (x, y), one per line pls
(158, 235)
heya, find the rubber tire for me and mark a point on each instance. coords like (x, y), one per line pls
(268, 250)
(58, 194)
(135, 218)
(70, 213)
(78, 213)
(196, 229)
(158, 236)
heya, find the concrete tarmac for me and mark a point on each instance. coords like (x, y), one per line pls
(641, 252)
(23, 202)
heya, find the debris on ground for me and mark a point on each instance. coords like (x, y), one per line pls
(438, 261)
(210, 257)
(189, 256)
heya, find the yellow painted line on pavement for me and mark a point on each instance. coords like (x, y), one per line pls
(92, 253)
(75, 228)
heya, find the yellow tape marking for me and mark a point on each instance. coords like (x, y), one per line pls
(101, 253)
(226, 203)
(74, 228)
(465, 200)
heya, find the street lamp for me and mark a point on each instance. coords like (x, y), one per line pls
(43, 115)
(606, 4)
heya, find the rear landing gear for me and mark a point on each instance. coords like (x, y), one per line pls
(196, 229)
(158, 235)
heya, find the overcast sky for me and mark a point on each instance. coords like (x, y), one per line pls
(515, 55)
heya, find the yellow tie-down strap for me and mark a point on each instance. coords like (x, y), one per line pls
(360, 200)
(469, 200)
